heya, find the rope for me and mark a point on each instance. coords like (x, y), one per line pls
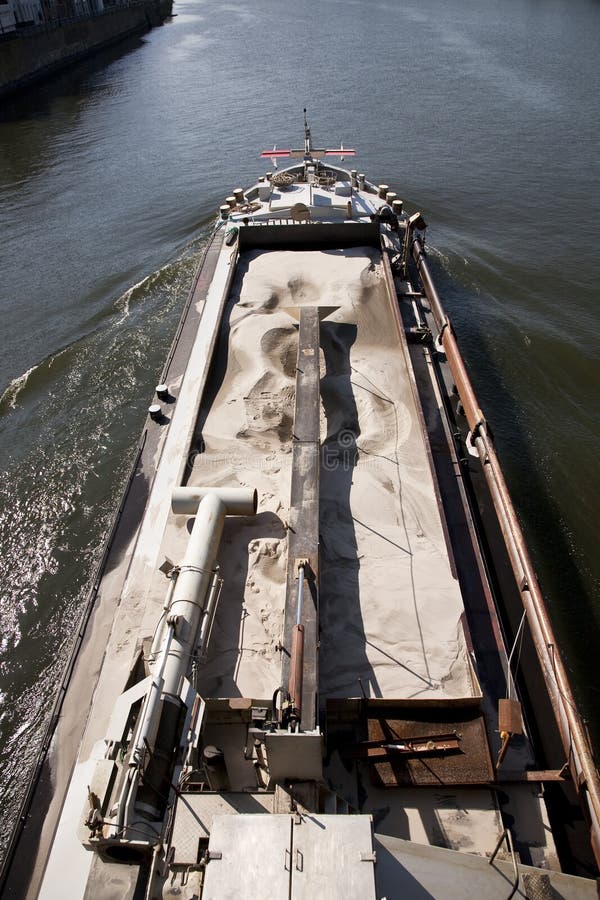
(519, 639)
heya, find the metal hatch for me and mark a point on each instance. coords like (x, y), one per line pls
(246, 855)
(333, 857)
(297, 857)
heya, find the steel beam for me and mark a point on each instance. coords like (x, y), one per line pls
(303, 531)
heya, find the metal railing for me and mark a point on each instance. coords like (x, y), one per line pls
(574, 737)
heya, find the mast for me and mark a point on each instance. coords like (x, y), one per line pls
(309, 153)
(307, 140)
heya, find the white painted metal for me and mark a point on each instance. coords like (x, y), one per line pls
(237, 501)
(332, 857)
(250, 856)
(195, 813)
(69, 865)
(291, 858)
(409, 869)
(193, 581)
(122, 709)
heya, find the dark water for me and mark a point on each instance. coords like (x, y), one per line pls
(484, 113)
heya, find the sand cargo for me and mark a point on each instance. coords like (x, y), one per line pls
(316, 661)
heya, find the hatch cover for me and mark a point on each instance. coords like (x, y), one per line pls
(298, 858)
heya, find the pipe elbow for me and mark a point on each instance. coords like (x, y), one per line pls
(237, 501)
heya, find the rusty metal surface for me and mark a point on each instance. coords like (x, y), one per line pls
(303, 534)
(472, 763)
(574, 737)
(578, 751)
(510, 718)
(473, 413)
(531, 776)
(425, 745)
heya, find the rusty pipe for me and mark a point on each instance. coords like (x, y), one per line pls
(572, 731)
(300, 593)
(461, 378)
(419, 256)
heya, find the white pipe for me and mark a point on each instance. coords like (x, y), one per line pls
(145, 734)
(128, 784)
(209, 614)
(195, 575)
(210, 505)
(237, 501)
(131, 798)
(192, 604)
(150, 715)
(160, 628)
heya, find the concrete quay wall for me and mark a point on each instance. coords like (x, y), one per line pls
(25, 59)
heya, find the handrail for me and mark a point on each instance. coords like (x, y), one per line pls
(572, 731)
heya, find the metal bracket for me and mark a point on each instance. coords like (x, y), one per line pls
(472, 435)
(215, 854)
(369, 857)
(167, 567)
(438, 341)
(173, 622)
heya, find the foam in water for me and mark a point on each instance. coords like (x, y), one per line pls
(8, 400)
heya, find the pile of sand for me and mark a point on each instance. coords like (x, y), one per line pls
(390, 607)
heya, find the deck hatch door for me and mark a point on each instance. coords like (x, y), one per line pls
(249, 854)
(332, 856)
(297, 857)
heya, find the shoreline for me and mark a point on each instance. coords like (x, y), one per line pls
(27, 59)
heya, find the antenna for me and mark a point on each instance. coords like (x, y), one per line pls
(307, 141)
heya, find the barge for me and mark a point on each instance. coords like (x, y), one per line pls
(316, 660)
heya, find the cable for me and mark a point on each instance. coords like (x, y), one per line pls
(519, 638)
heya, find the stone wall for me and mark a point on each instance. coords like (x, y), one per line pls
(25, 59)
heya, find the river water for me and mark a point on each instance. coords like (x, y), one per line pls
(482, 113)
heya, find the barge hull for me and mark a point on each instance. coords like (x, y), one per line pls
(325, 670)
